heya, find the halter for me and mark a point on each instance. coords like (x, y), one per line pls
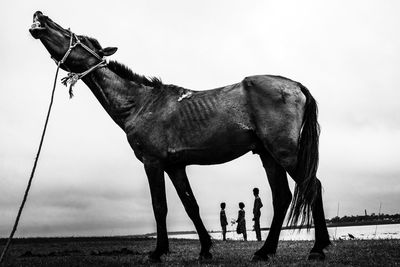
(72, 77)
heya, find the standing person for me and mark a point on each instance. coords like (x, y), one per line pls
(241, 221)
(257, 213)
(223, 220)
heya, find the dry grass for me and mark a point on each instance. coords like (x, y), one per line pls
(133, 252)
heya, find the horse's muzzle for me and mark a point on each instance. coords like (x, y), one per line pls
(37, 26)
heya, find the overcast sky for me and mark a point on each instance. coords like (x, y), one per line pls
(88, 181)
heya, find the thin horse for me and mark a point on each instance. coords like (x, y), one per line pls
(169, 127)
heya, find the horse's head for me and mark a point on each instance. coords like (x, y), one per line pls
(62, 45)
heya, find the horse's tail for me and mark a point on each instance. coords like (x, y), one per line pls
(307, 187)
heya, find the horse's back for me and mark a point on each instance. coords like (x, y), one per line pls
(277, 90)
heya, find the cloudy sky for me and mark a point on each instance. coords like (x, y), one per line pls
(88, 181)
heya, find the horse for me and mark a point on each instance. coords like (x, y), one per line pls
(170, 127)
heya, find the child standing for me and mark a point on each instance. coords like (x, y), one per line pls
(241, 221)
(223, 220)
(257, 213)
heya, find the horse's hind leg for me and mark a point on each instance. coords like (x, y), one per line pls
(287, 161)
(285, 116)
(182, 186)
(281, 197)
(321, 232)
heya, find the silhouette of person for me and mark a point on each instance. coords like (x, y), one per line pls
(241, 222)
(257, 213)
(223, 220)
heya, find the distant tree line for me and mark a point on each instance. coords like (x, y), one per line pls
(387, 218)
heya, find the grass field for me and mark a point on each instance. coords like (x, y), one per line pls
(133, 252)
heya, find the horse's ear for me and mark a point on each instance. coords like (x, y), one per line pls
(108, 51)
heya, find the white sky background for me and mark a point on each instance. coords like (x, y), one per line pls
(88, 181)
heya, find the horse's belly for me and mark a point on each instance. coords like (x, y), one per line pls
(215, 156)
(218, 149)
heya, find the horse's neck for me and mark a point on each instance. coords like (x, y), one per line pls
(119, 97)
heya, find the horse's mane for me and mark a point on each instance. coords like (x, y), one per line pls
(126, 73)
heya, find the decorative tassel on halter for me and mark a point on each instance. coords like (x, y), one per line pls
(70, 80)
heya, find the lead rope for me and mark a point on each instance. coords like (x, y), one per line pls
(72, 78)
(3, 254)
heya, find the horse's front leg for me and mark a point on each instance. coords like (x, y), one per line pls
(155, 175)
(182, 186)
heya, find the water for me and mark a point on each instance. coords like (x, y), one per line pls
(383, 231)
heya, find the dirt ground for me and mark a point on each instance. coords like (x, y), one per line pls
(124, 251)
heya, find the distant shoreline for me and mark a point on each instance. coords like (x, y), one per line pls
(362, 223)
(330, 225)
(343, 224)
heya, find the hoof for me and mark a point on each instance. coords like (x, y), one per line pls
(155, 256)
(316, 256)
(205, 256)
(258, 258)
(154, 259)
